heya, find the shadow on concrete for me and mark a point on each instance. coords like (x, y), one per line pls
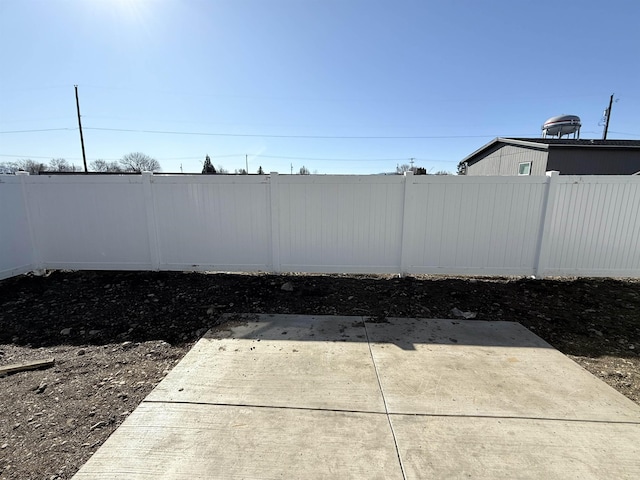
(403, 333)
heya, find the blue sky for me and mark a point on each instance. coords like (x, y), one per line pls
(285, 81)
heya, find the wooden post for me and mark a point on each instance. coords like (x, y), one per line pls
(606, 125)
(84, 157)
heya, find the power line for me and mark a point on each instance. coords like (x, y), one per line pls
(31, 156)
(283, 157)
(361, 159)
(210, 156)
(40, 119)
(41, 130)
(624, 133)
(29, 89)
(264, 135)
(255, 155)
(377, 98)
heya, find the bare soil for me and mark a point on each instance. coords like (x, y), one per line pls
(115, 335)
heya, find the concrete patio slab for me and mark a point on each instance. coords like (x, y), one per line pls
(479, 368)
(506, 448)
(183, 441)
(334, 397)
(279, 361)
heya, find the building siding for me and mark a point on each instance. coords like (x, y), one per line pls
(594, 161)
(506, 159)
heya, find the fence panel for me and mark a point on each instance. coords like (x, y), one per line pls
(16, 249)
(213, 222)
(340, 223)
(596, 227)
(89, 222)
(488, 226)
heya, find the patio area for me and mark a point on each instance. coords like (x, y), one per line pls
(274, 396)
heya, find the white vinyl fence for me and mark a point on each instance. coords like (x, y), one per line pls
(543, 226)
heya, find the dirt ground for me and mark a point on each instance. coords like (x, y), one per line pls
(115, 335)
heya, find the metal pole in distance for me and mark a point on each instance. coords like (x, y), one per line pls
(606, 125)
(84, 157)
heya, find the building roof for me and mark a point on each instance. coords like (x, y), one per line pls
(580, 142)
(546, 143)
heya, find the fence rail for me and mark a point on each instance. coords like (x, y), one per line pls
(543, 226)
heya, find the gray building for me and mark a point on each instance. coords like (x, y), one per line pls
(535, 156)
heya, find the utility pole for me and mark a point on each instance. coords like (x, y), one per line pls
(246, 162)
(292, 169)
(411, 162)
(608, 112)
(84, 157)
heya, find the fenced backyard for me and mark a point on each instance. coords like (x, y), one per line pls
(455, 225)
(93, 323)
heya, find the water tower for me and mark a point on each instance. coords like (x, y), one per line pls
(562, 125)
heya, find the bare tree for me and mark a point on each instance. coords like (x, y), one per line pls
(304, 171)
(104, 166)
(401, 169)
(443, 172)
(9, 167)
(61, 165)
(139, 162)
(242, 171)
(221, 169)
(34, 168)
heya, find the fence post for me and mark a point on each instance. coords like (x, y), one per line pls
(36, 254)
(274, 214)
(544, 242)
(154, 249)
(404, 241)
